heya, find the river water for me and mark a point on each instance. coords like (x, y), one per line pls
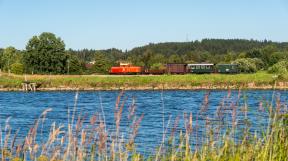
(24, 108)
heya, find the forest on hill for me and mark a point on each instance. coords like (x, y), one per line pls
(46, 53)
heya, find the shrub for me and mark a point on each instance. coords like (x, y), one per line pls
(279, 68)
(17, 68)
(246, 65)
(258, 62)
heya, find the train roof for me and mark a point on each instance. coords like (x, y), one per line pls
(227, 64)
(201, 64)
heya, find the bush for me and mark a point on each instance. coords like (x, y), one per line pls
(258, 62)
(17, 68)
(247, 65)
(279, 68)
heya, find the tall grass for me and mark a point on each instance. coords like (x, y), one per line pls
(93, 141)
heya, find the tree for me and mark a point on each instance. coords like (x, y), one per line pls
(147, 55)
(204, 56)
(175, 59)
(156, 59)
(228, 57)
(279, 68)
(242, 55)
(192, 57)
(74, 65)
(1, 55)
(17, 68)
(255, 53)
(267, 52)
(101, 64)
(9, 56)
(46, 54)
(157, 66)
(258, 63)
(277, 57)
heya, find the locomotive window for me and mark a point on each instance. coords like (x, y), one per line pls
(233, 67)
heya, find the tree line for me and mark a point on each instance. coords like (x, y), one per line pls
(46, 54)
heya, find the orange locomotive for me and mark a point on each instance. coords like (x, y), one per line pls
(126, 68)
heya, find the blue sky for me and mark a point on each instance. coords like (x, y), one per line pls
(124, 24)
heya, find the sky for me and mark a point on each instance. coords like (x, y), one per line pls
(125, 24)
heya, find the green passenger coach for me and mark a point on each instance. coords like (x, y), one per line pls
(200, 68)
(227, 68)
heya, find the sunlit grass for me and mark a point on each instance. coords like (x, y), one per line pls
(144, 82)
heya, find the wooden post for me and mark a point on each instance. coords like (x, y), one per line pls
(23, 86)
(33, 87)
(28, 86)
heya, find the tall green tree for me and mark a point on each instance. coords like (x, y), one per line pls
(175, 59)
(1, 55)
(102, 64)
(46, 54)
(9, 56)
(146, 57)
(267, 52)
(75, 65)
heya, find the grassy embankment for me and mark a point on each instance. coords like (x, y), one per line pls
(88, 139)
(89, 82)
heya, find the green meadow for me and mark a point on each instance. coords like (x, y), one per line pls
(142, 81)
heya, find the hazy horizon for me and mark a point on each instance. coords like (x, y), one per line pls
(128, 24)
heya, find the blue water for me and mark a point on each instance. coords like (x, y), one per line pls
(24, 108)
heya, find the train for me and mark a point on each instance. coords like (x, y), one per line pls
(177, 68)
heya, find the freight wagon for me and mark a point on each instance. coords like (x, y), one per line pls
(154, 71)
(176, 68)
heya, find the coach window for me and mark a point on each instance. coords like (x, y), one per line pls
(207, 67)
(197, 67)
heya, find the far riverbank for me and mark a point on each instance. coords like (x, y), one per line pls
(260, 80)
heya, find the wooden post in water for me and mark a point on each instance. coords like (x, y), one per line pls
(33, 87)
(28, 86)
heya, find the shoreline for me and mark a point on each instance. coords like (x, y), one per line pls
(283, 86)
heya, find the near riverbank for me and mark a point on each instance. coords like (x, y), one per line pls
(260, 80)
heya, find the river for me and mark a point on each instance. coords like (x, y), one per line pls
(24, 108)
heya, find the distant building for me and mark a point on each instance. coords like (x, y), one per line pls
(90, 64)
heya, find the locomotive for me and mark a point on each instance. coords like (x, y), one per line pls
(177, 68)
(126, 68)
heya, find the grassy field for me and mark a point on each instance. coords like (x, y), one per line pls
(142, 81)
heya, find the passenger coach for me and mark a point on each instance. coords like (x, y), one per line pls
(200, 68)
(227, 68)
